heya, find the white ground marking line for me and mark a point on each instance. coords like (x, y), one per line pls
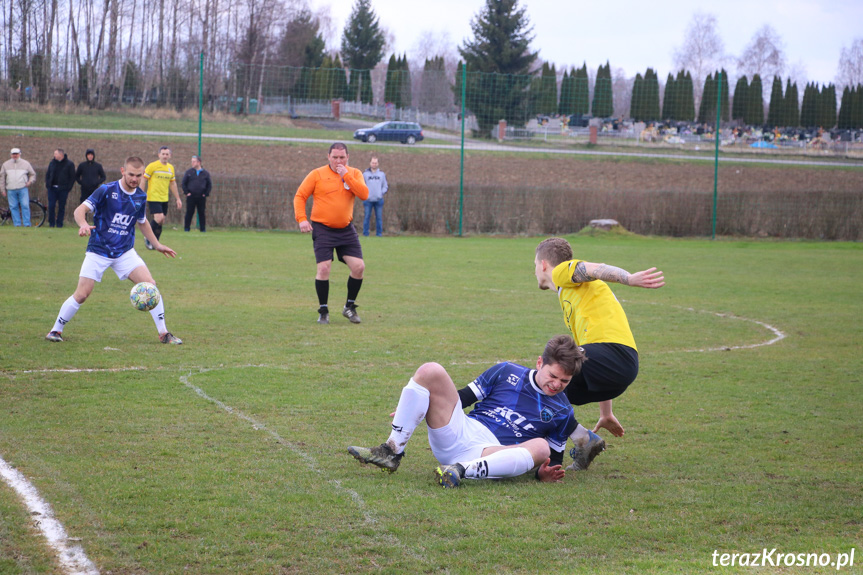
(82, 370)
(779, 335)
(310, 461)
(72, 558)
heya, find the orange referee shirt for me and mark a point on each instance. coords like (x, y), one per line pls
(334, 197)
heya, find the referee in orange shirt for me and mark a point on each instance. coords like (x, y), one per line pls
(333, 187)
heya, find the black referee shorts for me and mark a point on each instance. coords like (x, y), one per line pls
(608, 371)
(345, 241)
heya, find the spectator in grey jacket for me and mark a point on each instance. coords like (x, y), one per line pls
(16, 176)
(59, 180)
(197, 187)
(376, 181)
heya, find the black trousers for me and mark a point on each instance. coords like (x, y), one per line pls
(57, 198)
(193, 202)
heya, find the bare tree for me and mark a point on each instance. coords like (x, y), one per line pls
(702, 51)
(850, 65)
(764, 55)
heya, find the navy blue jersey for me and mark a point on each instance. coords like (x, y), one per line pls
(115, 213)
(513, 407)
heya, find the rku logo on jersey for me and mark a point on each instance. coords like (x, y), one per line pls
(122, 219)
(513, 379)
(514, 418)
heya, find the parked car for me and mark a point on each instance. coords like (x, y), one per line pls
(404, 132)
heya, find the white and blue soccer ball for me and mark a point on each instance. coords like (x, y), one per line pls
(145, 296)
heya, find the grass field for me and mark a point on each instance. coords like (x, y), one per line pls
(227, 454)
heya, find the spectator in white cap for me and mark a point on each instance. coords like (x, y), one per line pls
(16, 176)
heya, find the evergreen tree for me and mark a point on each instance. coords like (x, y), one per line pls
(669, 98)
(362, 46)
(741, 97)
(792, 106)
(725, 112)
(755, 105)
(360, 86)
(650, 96)
(499, 62)
(603, 101)
(635, 102)
(775, 114)
(827, 107)
(688, 98)
(390, 91)
(457, 88)
(843, 121)
(582, 91)
(321, 88)
(406, 90)
(855, 115)
(548, 90)
(436, 92)
(808, 110)
(707, 107)
(567, 102)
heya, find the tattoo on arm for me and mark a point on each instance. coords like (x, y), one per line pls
(612, 274)
(580, 274)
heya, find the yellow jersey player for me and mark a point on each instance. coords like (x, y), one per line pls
(159, 180)
(599, 325)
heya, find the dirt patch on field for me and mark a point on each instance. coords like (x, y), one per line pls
(436, 167)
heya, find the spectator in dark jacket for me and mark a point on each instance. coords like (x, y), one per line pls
(59, 179)
(89, 175)
(197, 186)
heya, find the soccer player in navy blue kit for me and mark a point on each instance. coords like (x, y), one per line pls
(116, 208)
(522, 420)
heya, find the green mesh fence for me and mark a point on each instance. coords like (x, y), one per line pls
(523, 134)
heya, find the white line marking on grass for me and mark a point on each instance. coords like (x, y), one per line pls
(310, 461)
(72, 558)
(778, 334)
(83, 370)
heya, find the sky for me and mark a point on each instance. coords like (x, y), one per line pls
(635, 35)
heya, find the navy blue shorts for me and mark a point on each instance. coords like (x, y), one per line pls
(345, 241)
(608, 371)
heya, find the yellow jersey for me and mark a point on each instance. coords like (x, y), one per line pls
(159, 177)
(590, 309)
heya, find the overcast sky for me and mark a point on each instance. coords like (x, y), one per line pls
(635, 35)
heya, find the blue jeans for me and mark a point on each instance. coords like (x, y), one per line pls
(19, 198)
(378, 207)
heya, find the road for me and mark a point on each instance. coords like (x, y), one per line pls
(472, 145)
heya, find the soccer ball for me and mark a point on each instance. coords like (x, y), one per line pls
(145, 296)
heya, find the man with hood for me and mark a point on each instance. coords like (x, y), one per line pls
(59, 180)
(89, 175)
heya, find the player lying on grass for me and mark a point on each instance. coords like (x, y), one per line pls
(521, 421)
(116, 208)
(599, 325)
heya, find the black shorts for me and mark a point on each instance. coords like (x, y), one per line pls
(345, 241)
(158, 208)
(608, 371)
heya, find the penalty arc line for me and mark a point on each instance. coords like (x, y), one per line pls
(72, 558)
(310, 461)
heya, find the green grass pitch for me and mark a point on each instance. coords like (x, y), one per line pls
(227, 454)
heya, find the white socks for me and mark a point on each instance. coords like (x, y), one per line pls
(67, 311)
(500, 464)
(580, 436)
(158, 314)
(411, 410)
